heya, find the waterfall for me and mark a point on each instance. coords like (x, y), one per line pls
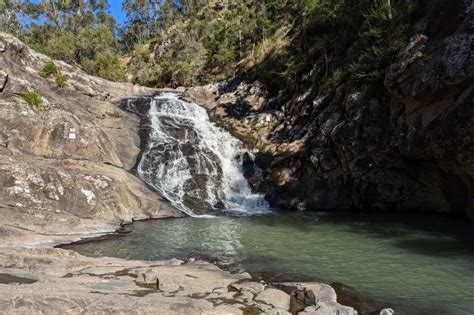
(193, 163)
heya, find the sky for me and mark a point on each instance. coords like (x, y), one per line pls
(116, 10)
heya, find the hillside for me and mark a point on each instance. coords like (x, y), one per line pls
(397, 138)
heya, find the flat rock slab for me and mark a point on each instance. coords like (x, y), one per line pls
(57, 281)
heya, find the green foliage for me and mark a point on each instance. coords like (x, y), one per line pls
(189, 42)
(79, 32)
(33, 98)
(10, 13)
(383, 36)
(312, 8)
(105, 65)
(194, 42)
(49, 69)
(61, 46)
(61, 80)
(183, 73)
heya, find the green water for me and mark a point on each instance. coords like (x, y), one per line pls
(418, 264)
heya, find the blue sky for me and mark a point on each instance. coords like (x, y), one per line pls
(116, 10)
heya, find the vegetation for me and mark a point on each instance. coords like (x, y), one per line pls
(188, 42)
(61, 80)
(33, 98)
(381, 39)
(79, 32)
(50, 69)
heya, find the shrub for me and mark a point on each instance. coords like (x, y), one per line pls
(63, 46)
(33, 98)
(105, 66)
(183, 73)
(49, 69)
(381, 39)
(61, 80)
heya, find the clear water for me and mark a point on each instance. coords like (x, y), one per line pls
(419, 264)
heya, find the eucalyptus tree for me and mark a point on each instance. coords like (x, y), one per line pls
(10, 15)
(80, 32)
(141, 21)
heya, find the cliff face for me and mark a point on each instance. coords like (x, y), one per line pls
(406, 144)
(59, 188)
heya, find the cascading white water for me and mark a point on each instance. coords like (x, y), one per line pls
(193, 163)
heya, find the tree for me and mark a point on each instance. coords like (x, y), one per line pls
(10, 10)
(142, 18)
(80, 32)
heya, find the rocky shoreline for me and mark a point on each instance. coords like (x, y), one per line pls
(55, 189)
(55, 281)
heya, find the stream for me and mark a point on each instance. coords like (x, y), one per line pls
(417, 263)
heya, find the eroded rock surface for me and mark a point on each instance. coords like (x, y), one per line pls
(54, 187)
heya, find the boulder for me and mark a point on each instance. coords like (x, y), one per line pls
(148, 279)
(387, 311)
(322, 292)
(275, 298)
(2, 47)
(59, 187)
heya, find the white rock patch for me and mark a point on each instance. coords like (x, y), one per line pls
(90, 196)
(98, 182)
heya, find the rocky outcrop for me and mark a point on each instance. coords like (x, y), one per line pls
(54, 281)
(64, 170)
(403, 146)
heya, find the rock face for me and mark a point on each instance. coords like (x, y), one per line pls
(64, 170)
(407, 146)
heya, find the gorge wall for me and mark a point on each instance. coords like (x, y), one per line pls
(402, 145)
